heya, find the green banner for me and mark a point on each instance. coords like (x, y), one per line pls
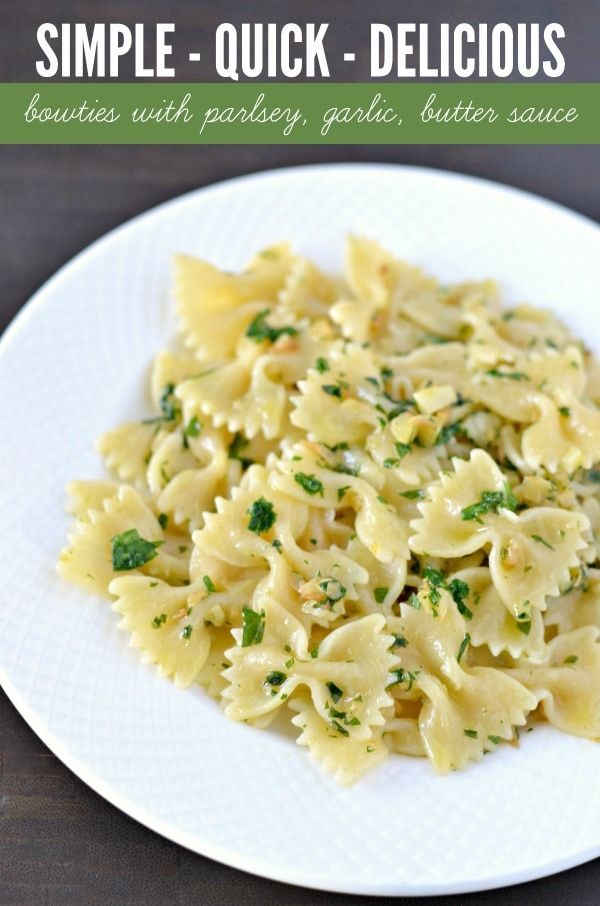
(300, 113)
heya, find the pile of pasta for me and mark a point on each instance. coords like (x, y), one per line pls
(369, 503)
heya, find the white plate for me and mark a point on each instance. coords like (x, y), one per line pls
(73, 364)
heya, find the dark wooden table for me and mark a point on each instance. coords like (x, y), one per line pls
(61, 843)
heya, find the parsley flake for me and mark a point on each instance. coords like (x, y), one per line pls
(380, 593)
(129, 550)
(342, 491)
(262, 516)
(415, 494)
(169, 406)
(275, 678)
(309, 483)
(334, 590)
(209, 584)
(403, 676)
(236, 446)
(259, 330)
(463, 646)
(193, 428)
(511, 375)
(448, 432)
(459, 591)
(490, 502)
(541, 540)
(335, 692)
(158, 621)
(337, 726)
(253, 627)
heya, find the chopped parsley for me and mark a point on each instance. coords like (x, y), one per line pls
(463, 646)
(129, 550)
(490, 502)
(186, 633)
(236, 446)
(380, 593)
(309, 483)
(448, 432)
(524, 615)
(322, 365)
(334, 590)
(399, 642)
(402, 449)
(472, 734)
(192, 429)
(391, 461)
(158, 621)
(343, 469)
(209, 584)
(253, 627)
(495, 740)
(277, 545)
(457, 588)
(163, 520)
(541, 540)
(572, 659)
(511, 375)
(337, 726)
(403, 676)
(459, 591)
(262, 516)
(275, 678)
(335, 692)
(259, 330)
(564, 410)
(414, 601)
(342, 491)
(332, 390)
(415, 494)
(399, 406)
(169, 406)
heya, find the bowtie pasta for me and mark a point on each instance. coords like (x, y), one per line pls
(371, 504)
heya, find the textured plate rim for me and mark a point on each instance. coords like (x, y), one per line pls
(170, 831)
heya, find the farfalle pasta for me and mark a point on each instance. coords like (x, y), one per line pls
(369, 502)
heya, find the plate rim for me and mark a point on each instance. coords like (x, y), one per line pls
(234, 858)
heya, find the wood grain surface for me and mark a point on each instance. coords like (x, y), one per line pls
(60, 843)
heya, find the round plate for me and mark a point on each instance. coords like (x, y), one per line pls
(74, 363)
